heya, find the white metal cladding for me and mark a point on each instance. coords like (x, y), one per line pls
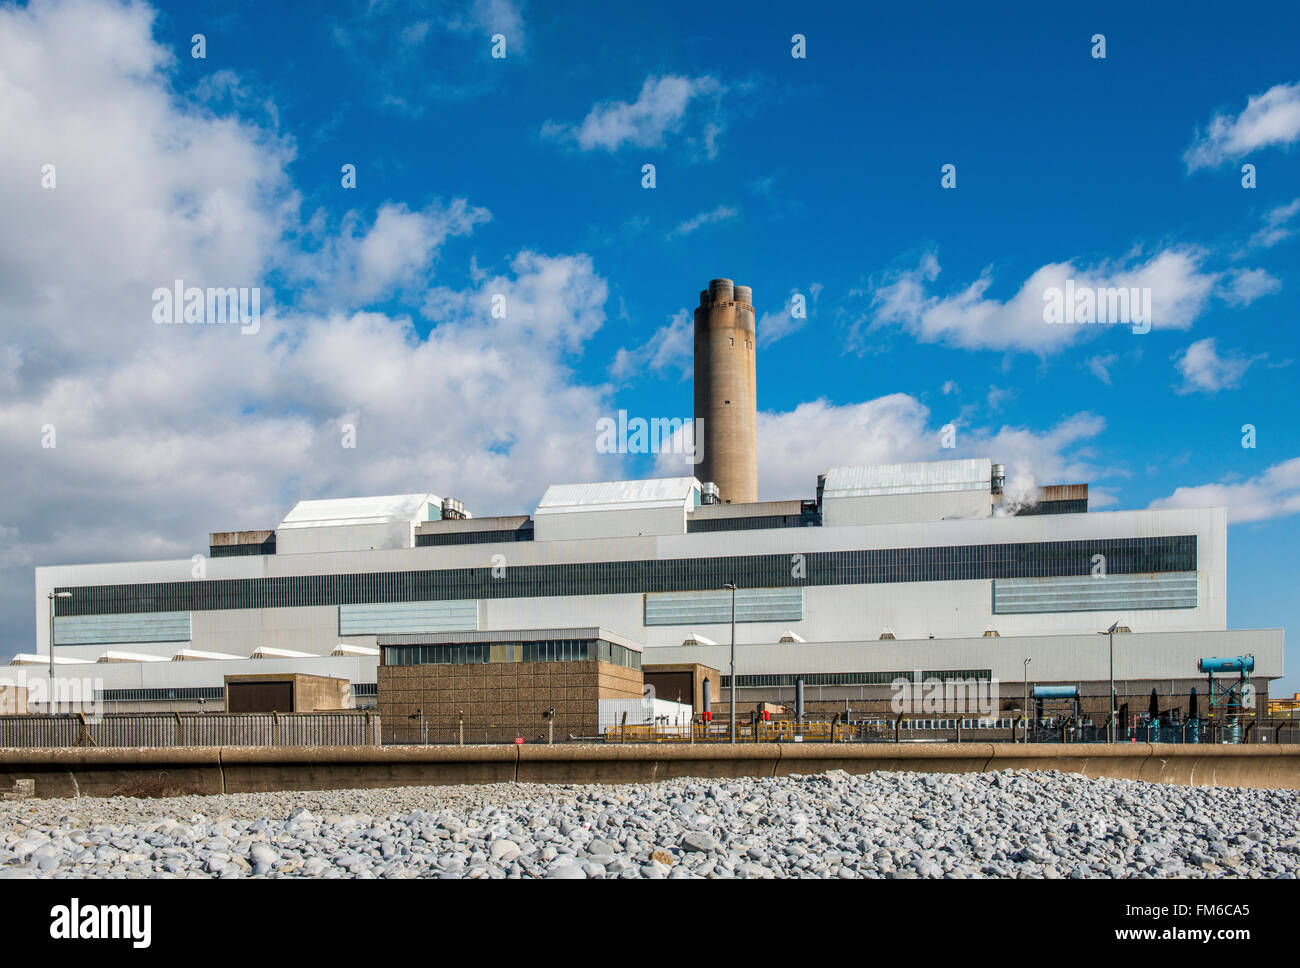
(336, 512)
(127, 627)
(664, 492)
(920, 477)
(1018, 596)
(609, 712)
(714, 605)
(388, 618)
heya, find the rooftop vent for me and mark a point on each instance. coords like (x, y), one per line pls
(709, 494)
(887, 633)
(452, 509)
(999, 478)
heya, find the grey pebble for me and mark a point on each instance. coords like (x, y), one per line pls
(1016, 823)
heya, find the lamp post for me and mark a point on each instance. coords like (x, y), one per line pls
(732, 586)
(1110, 725)
(53, 596)
(1027, 661)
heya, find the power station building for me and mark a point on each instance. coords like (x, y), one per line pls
(876, 574)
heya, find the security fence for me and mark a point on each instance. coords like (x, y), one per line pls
(956, 729)
(428, 731)
(342, 728)
(364, 728)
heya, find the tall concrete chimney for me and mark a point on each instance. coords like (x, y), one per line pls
(726, 390)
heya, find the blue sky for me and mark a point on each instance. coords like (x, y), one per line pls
(523, 175)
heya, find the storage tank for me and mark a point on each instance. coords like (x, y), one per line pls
(1241, 663)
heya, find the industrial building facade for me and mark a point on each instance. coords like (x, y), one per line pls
(875, 575)
(900, 569)
(503, 684)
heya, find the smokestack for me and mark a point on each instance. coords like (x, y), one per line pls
(726, 390)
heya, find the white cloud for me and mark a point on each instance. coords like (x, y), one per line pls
(1277, 226)
(1272, 494)
(797, 445)
(661, 109)
(1100, 366)
(969, 319)
(1271, 118)
(672, 347)
(1243, 286)
(167, 432)
(776, 326)
(1204, 370)
(355, 268)
(723, 213)
(1033, 458)
(389, 44)
(499, 17)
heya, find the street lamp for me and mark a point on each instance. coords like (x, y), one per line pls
(53, 596)
(1026, 713)
(1110, 726)
(732, 586)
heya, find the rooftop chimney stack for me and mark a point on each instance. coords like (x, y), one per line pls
(726, 390)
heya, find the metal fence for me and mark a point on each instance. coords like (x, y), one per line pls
(964, 730)
(361, 728)
(1241, 731)
(413, 731)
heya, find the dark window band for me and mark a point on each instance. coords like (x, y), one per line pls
(474, 537)
(857, 678)
(949, 563)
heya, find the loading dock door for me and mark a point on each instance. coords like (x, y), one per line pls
(673, 686)
(259, 697)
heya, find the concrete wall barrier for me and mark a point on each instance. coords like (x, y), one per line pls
(111, 772)
(259, 769)
(153, 772)
(643, 763)
(883, 757)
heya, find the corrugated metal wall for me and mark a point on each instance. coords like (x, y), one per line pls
(383, 618)
(192, 729)
(704, 607)
(127, 627)
(1094, 593)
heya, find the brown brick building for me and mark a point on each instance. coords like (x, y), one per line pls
(497, 686)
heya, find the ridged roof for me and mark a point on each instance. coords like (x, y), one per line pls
(359, 510)
(918, 477)
(658, 492)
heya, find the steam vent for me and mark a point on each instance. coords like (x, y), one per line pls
(726, 390)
